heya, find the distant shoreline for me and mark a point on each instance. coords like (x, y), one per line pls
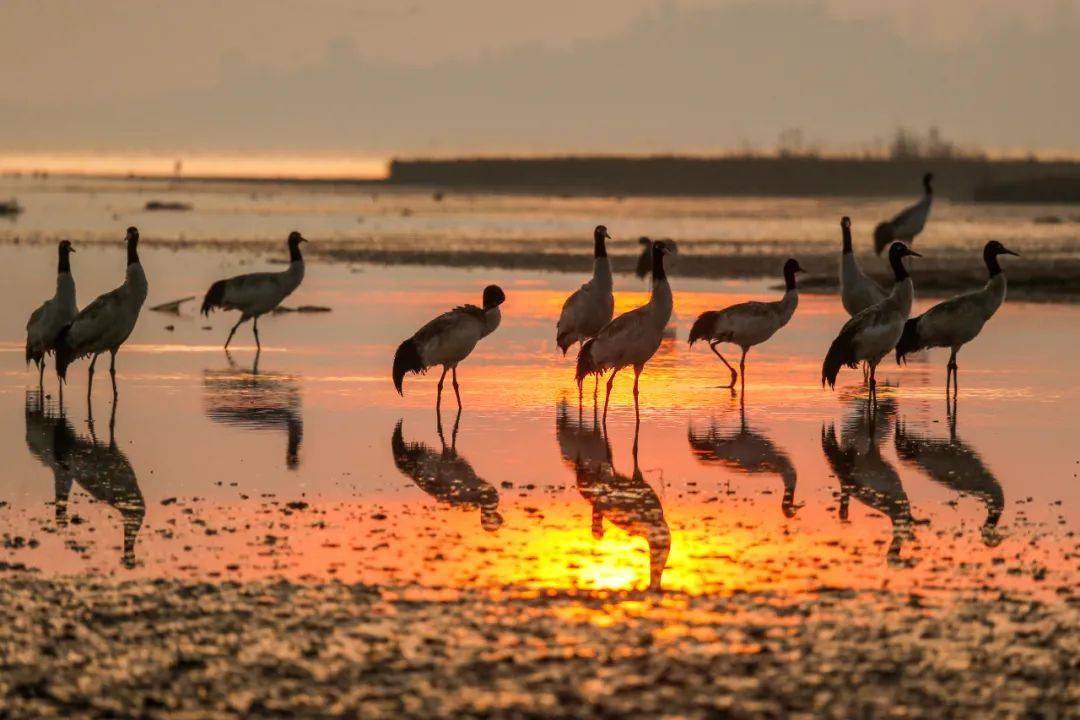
(955, 178)
(675, 175)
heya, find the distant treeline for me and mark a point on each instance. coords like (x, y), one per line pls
(955, 178)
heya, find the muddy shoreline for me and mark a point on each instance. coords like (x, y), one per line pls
(80, 647)
(1043, 277)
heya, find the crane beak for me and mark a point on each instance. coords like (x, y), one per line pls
(912, 253)
(1006, 251)
(607, 235)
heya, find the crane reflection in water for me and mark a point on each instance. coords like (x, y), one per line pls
(257, 400)
(747, 451)
(856, 460)
(957, 466)
(101, 469)
(625, 501)
(445, 475)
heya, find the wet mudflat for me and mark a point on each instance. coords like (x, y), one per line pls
(81, 648)
(293, 537)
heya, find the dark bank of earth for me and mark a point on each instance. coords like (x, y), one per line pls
(1046, 279)
(86, 648)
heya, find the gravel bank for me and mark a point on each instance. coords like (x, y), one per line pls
(79, 647)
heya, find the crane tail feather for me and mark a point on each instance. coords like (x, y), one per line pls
(407, 359)
(215, 296)
(703, 327)
(841, 353)
(586, 365)
(909, 340)
(65, 353)
(883, 235)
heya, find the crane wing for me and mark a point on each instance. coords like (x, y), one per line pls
(244, 290)
(95, 319)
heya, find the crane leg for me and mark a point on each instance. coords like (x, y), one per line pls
(951, 374)
(90, 377)
(637, 410)
(438, 397)
(255, 327)
(595, 388)
(607, 397)
(41, 377)
(734, 375)
(112, 371)
(233, 331)
(742, 370)
(457, 392)
(873, 384)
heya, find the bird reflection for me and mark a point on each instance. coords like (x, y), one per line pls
(101, 469)
(628, 502)
(579, 442)
(954, 464)
(446, 476)
(746, 451)
(855, 458)
(258, 401)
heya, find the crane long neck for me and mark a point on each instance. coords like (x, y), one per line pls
(294, 253)
(658, 273)
(847, 241)
(992, 265)
(789, 279)
(132, 253)
(900, 272)
(903, 294)
(65, 262)
(599, 248)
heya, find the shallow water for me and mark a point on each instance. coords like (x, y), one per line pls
(311, 466)
(398, 219)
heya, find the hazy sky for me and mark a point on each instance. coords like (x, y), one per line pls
(397, 76)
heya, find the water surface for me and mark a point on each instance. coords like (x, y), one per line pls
(308, 464)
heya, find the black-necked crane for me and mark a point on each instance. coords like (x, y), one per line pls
(874, 332)
(952, 463)
(627, 502)
(105, 324)
(748, 452)
(447, 340)
(101, 469)
(857, 290)
(747, 324)
(446, 476)
(959, 320)
(53, 315)
(909, 222)
(631, 339)
(256, 294)
(591, 306)
(856, 461)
